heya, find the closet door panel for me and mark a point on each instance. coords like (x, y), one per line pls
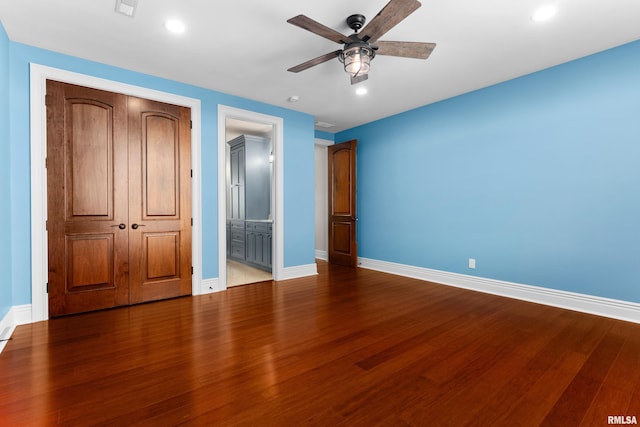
(87, 199)
(160, 200)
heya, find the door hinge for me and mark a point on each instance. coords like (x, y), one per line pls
(191, 173)
(190, 124)
(192, 222)
(192, 270)
(47, 287)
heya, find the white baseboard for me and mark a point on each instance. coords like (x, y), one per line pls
(209, 286)
(17, 315)
(320, 254)
(299, 271)
(617, 309)
(21, 314)
(6, 329)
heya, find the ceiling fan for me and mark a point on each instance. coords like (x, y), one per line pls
(363, 45)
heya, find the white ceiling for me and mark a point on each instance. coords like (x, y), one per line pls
(235, 127)
(244, 47)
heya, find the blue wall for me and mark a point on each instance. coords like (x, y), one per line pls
(325, 135)
(537, 179)
(298, 161)
(5, 190)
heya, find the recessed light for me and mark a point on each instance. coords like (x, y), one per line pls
(361, 91)
(175, 26)
(544, 13)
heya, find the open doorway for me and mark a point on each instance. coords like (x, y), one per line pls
(232, 123)
(321, 198)
(249, 183)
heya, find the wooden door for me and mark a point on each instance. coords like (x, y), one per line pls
(104, 238)
(343, 248)
(87, 199)
(159, 200)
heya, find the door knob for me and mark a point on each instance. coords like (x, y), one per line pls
(120, 226)
(135, 226)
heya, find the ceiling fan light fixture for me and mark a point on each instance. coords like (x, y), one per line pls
(357, 59)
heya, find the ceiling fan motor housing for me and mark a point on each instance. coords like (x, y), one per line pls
(355, 22)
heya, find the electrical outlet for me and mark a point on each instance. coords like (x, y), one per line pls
(472, 263)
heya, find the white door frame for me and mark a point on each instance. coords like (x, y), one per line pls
(38, 113)
(277, 123)
(321, 193)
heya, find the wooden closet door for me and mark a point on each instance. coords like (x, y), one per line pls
(87, 199)
(159, 200)
(118, 197)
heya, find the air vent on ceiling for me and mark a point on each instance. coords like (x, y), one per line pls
(324, 125)
(126, 7)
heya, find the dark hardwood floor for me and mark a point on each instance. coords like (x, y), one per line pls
(349, 347)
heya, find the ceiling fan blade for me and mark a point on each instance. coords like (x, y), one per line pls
(319, 29)
(315, 61)
(359, 78)
(405, 49)
(390, 15)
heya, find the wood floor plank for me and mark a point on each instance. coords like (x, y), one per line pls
(348, 347)
(580, 393)
(616, 392)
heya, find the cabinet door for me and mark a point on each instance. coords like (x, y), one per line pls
(251, 247)
(266, 250)
(228, 238)
(257, 178)
(259, 251)
(237, 171)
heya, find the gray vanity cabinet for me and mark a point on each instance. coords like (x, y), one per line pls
(250, 228)
(237, 245)
(258, 244)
